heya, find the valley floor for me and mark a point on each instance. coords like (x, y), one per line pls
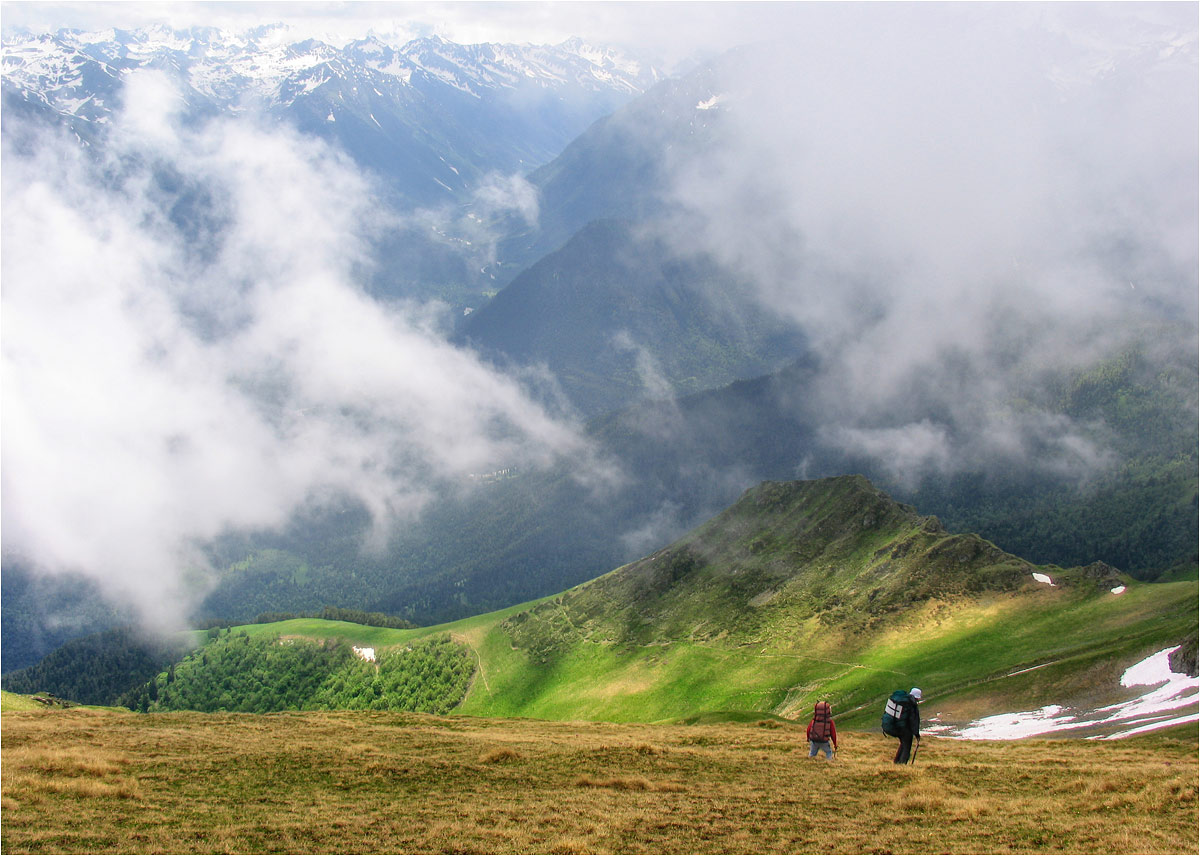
(359, 782)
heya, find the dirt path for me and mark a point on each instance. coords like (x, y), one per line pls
(478, 660)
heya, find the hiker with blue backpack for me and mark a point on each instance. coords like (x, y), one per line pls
(902, 720)
(821, 731)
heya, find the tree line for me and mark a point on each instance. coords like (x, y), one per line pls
(97, 669)
(239, 673)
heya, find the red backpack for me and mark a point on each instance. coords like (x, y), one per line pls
(820, 729)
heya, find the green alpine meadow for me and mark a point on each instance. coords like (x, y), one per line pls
(85, 781)
(658, 708)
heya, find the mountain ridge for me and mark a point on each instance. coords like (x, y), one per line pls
(798, 590)
(616, 315)
(832, 552)
(457, 111)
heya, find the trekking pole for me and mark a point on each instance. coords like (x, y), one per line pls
(913, 759)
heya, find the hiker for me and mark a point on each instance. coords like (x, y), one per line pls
(821, 731)
(901, 720)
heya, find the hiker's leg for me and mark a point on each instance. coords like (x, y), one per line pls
(827, 748)
(905, 748)
(812, 748)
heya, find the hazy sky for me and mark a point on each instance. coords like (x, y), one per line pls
(671, 31)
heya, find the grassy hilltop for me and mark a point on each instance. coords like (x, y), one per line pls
(809, 590)
(800, 591)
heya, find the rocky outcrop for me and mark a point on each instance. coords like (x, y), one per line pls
(1183, 659)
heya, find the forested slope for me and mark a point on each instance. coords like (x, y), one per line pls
(237, 672)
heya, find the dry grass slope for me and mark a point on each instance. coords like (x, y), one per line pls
(362, 782)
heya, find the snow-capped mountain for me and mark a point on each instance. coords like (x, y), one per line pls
(430, 117)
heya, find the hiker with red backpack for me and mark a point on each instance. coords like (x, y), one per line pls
(902, 720)
(821, 731)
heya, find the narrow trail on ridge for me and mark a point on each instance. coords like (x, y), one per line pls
(478, 660)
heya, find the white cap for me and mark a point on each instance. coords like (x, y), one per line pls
(916, 693)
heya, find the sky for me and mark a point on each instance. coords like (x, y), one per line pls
(671, 32)
(964, 172)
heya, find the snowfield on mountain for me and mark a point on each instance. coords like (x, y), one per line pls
(1155, 709)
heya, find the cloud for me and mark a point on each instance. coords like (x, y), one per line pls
(654, 383)
(951, 199)
(661, 526)
(501, 194)
(186, 351)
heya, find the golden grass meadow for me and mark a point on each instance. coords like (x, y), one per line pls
(88, 781)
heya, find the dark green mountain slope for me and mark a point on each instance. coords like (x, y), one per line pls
(39, 613)
(1140, 514)
(612, 299)
(99, 668)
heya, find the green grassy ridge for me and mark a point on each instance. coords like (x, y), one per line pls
(803, 591)
(903, 602)
(800, 591)
(784, 563)
(1067, 645)
(963, 651)
(11, 702)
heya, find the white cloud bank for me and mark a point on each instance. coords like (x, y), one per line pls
(951, 199)
(166, 383)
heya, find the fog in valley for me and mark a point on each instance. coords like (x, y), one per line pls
(948, 202)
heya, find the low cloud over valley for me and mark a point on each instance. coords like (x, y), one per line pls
(187, 352)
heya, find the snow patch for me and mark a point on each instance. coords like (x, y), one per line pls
(1148, 712)
(367, 654)
(710, 103)
(1118, 590)
(1011, 726)
(1162, 723)
(1042, 578)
